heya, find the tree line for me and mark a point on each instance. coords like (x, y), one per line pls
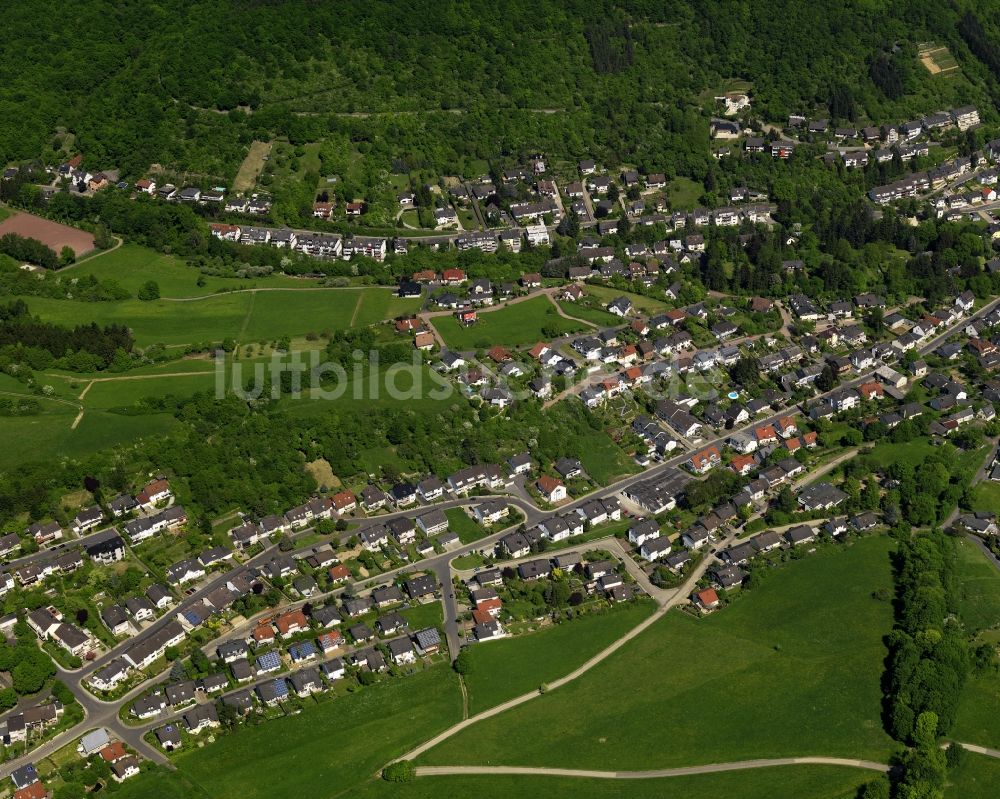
(20, 331)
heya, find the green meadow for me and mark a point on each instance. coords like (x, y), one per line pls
(243, 316)
(792, 668)
(516, 325)
(330, 749)
(801, 782)
(501, 670)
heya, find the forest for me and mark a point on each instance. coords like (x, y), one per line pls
(188, 85)
(26, 338)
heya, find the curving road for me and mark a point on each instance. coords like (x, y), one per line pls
(99, 713)
(682, 771)
(678, 596)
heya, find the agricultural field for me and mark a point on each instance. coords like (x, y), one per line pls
(330, 749)
(515, 325)
(803, 782)
(501, 670)
(246, 176)
(792, 668)
(243, 316)
(51, 234)
(936, 59)
(132, 265)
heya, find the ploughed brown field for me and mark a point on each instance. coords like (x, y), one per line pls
(49, 233)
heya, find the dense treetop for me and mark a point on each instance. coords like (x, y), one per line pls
(141, 84)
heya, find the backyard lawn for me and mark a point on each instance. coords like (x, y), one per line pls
(597, 315)
(463, 525)
(516, 325)
(792, 668)
(986, 496)
(646, 305)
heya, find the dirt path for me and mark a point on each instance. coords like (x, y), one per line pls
(980, 750)
(246, 321)
(357, 307)
(683, 771)
(272, 288)
(678, 596)
(465, 696)
(76, 264)
(428, 316)
(60, 400)
(559, 309)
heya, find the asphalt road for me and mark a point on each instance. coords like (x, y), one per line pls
(99, 713)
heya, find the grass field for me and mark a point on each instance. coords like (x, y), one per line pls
(792, 668)
(979, 586)
(977, 722)
(515, 325)
(120, 393)
(977, 778)
(246, 316)
(986, 496)
(596, 315)
(160, 784)
(463, 525)
(49, 436)
(328, 750)
(800, 782)
(132, 266)
(417, 390)
(420, 617)
(646, 305)
(979, 608)
(683, 193)
(912, 452)
(603, 460)
(246, 176)
(501, 670)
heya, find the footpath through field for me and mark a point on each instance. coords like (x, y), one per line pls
(684, 771)
(677, 597)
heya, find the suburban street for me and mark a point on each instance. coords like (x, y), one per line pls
(99, 713)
